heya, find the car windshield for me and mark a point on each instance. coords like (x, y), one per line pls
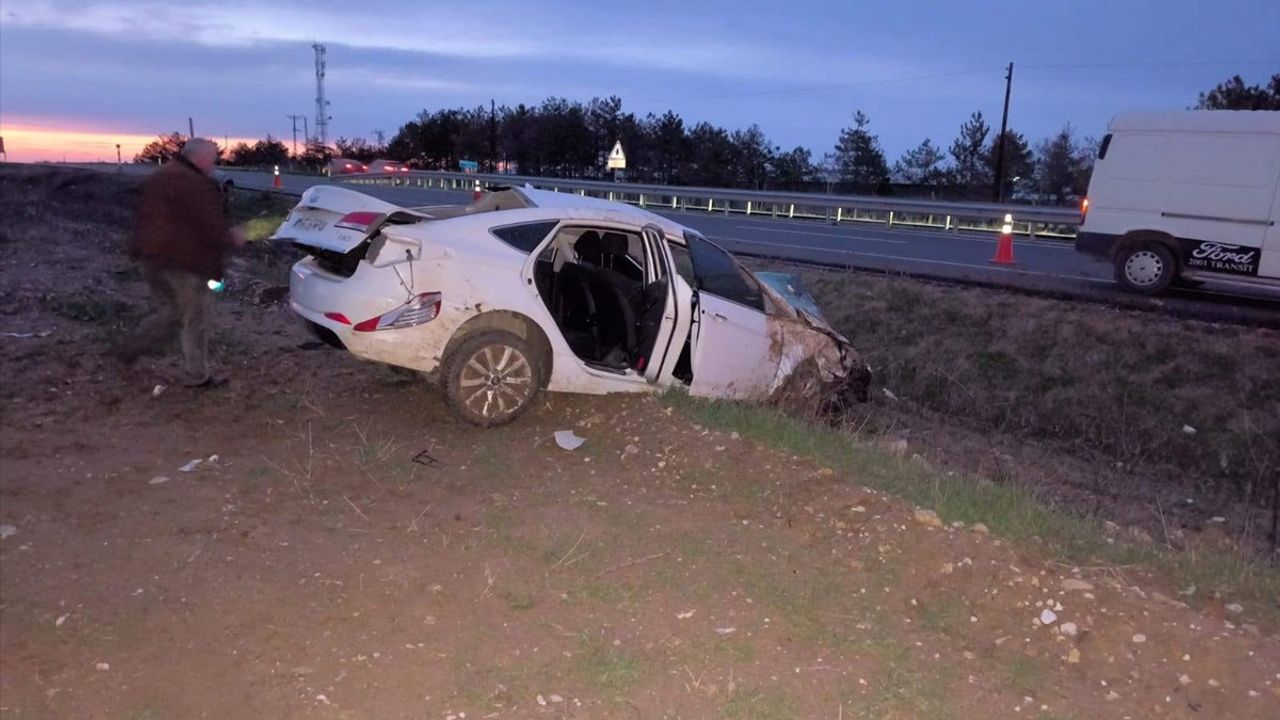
(791, 288)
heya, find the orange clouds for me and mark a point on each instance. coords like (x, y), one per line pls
(31, 141)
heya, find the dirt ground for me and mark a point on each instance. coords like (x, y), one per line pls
(355, 552)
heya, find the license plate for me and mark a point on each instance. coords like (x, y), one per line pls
(310, 224)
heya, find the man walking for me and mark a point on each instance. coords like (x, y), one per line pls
(181, 242)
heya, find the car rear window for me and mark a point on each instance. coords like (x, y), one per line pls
(524, 237)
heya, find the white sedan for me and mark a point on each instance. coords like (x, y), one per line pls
(526, 290)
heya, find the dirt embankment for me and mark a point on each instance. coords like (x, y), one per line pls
(1141, 418)
(356, 552)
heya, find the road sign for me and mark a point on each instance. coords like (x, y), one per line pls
(617, 158)
(468, 165)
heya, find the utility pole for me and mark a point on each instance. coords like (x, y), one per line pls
(998, 190)
(191, 128)
(493, 135)
(294, 119)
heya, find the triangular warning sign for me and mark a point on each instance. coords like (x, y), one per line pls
(617, 158)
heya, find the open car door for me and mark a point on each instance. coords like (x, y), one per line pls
(731, 352)
(667, 314)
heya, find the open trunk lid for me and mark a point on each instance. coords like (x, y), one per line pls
(316, 221)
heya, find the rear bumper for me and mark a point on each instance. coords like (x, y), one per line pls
(366, 294)
(1101, 245)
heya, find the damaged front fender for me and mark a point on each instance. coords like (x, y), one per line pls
(818, 372)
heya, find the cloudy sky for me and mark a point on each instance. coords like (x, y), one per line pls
(76, 77)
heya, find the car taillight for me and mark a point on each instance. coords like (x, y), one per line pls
(423, 308)
(404, 169)
(361, 220)
(338, 317)
(1084, 209)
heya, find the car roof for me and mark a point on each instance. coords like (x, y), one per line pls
(582, 207)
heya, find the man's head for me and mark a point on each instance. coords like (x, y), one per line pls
(202, 153)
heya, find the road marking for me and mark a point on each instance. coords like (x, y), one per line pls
(829, 235)
(925, 260)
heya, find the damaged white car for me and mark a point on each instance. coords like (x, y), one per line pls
(526, 290)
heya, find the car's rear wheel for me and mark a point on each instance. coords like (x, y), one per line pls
(491, 378)
(1147, 268)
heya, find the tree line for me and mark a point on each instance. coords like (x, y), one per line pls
(567, 138)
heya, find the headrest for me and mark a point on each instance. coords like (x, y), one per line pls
(589, 244)
(614, 243)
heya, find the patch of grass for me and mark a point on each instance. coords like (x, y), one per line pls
(901, 690)
(1008, 510)
(1023, 673)
(91, 308)
(599, 591)
(519, 599)
(260, 228)
(605, 667)
(758, 706)
(942, 616)
(1093, 380)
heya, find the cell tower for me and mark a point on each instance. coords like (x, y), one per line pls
(322, 105)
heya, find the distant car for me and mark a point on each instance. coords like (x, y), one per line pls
(1187, 196)
(387, 166)
(346, 166)
(225, 183)
(527, 290)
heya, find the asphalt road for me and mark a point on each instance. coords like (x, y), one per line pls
(1042, 266)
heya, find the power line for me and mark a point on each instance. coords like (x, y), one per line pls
(1172, 64)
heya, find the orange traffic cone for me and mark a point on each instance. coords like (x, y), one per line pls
(1004, 248)
(276, 182)
(476, 192)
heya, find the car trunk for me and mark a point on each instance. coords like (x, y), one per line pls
(335, 225)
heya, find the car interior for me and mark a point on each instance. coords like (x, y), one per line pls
(592, 280)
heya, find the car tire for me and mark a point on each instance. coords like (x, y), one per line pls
(1147, 268)
(491, 378)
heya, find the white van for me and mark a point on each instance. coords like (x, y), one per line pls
(1187, 195)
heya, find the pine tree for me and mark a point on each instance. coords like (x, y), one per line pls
(859, 155)
(921, 165)
(968, 153)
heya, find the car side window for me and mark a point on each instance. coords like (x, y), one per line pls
(524, 237)
(683, 263)
(716, 272)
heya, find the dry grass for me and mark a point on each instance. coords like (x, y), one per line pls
(1112, 386)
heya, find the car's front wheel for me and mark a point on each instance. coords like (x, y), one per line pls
(1146, 268)
(491, 378)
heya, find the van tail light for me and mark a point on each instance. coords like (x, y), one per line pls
(362, 221)
(1084, 209)
(422, 309)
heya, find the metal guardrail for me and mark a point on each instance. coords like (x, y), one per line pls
(1031, 220)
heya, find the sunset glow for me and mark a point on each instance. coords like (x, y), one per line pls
(52, 141)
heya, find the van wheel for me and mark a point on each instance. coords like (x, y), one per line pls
(491, 378)
(1147, 268)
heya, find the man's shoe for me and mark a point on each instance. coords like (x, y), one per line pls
(207, 384)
